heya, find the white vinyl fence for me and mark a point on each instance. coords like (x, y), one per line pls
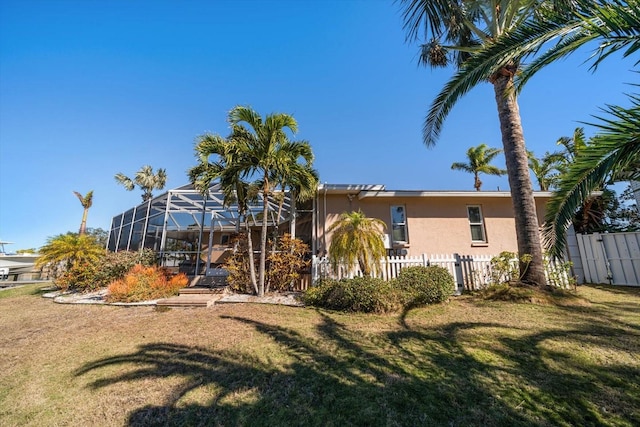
(612, 258)
(469, 272)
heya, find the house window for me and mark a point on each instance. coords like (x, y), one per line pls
(398, 225)
(476, 223)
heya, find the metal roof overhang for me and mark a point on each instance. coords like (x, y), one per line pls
(435, 194)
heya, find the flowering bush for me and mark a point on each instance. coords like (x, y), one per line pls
(145, 283)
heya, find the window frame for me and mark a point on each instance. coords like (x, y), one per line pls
(481, 224)
(400, 224)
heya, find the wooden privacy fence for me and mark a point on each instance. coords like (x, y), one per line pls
(469, 272)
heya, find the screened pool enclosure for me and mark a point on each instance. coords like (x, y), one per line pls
(192, 232)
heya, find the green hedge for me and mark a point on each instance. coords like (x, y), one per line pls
(425, 285)
(360, 294)
(414, 286)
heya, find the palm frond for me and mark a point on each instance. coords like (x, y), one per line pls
(615, 148)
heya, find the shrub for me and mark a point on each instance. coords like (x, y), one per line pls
(360, 294)
(79, 277)
(145, 283)
(424, 285)
(238, 266)
(505, 268)
(86, 276)
(114, 265)
(284, 264)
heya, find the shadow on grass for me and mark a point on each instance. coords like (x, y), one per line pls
(460, 374)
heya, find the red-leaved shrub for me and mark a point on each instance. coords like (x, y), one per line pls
(145, 283)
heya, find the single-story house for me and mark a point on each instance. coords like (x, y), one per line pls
(432, 222)
(184, 226)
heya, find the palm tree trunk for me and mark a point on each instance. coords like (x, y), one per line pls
(527, 227)
(83, 224)
(252, 262)
(263, 239)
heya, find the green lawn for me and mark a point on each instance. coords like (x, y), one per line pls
(469, 362)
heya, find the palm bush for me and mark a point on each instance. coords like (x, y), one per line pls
(64, 251)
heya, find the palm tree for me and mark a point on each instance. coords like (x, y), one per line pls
(546, 169)
(69, 249)
(258, 156)
(86, 202)
(479, 159)
(265, 149)
(573, 145)
(300, 179)
(615, 26)
(357, 238)
(456, 30)
(146, 180)
(234, 189)
(614, 151)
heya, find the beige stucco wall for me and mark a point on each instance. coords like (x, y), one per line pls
(436, 225)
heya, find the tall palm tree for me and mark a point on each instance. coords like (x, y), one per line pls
(86, 202)
(480, 158)
(264, 145)
(546, 169)
(300, 179)
(357, 238)
(234, 189)
(573, 145)
(614, 151)
(257, 155)
(456, 30)
(614, 26)
(145, 179)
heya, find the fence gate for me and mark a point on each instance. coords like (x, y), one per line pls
(612, 258)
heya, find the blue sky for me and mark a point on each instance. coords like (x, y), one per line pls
(92, 88)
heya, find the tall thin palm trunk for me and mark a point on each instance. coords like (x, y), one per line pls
(252, 262)
(263, 237)
(526, 218)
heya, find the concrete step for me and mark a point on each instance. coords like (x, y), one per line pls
(200, 290)
(195, 300)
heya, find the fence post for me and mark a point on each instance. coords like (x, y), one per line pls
(458, 276)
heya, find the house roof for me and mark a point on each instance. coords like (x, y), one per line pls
(364, 191)
(465, 194)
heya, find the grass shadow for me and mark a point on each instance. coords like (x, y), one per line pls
(456, 374)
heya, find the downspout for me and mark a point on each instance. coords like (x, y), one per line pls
(324, 221)
(314, 229)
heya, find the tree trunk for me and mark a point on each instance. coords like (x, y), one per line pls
(252, 263)
(263, 238)
(83, 224)
(515, 153)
